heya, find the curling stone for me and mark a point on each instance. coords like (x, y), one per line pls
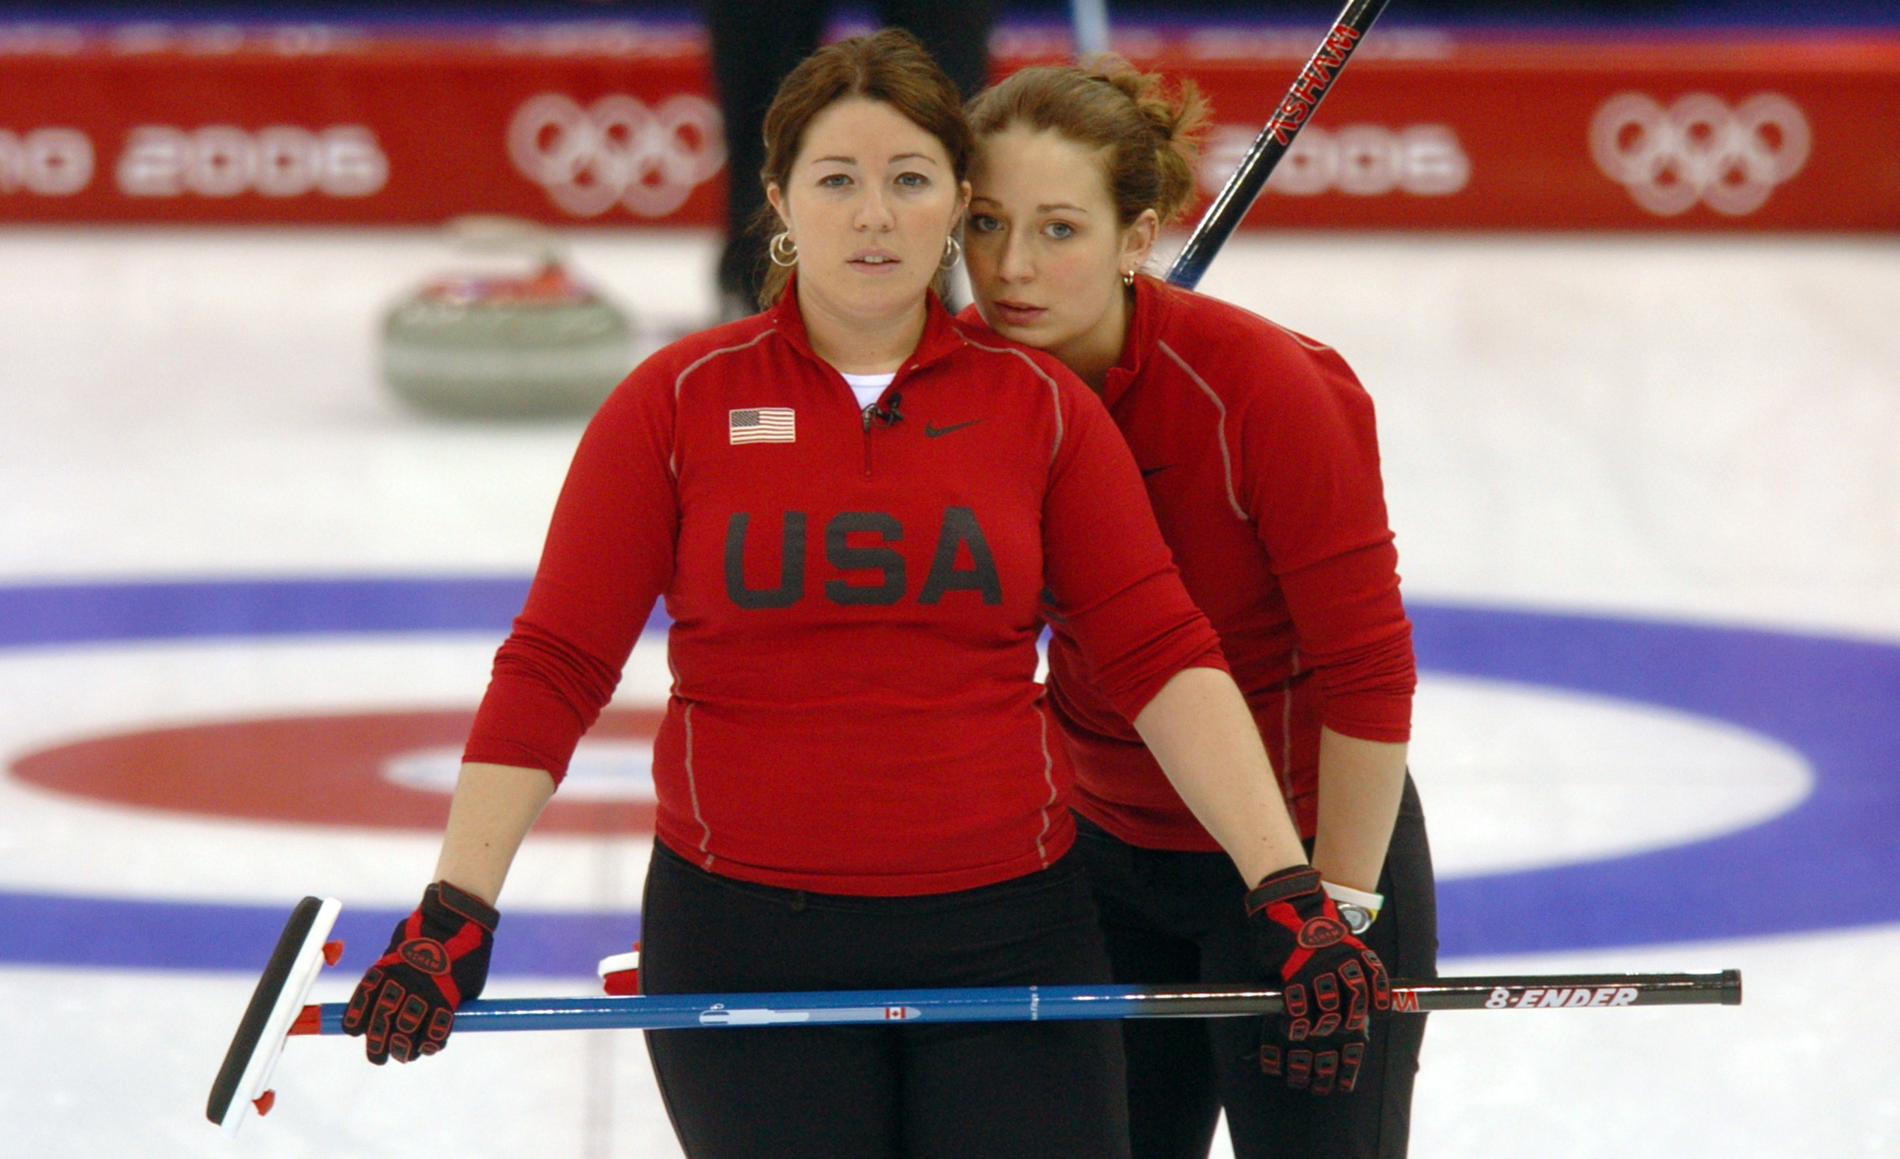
(539, 344)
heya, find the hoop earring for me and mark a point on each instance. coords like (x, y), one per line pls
(952, 253)
(783, 250)
(1128, 277)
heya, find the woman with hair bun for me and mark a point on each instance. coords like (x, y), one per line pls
(1261, 462)
(860, 512)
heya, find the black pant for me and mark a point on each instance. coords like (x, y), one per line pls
(1173, 917)
(951, 1090)
(755, 43)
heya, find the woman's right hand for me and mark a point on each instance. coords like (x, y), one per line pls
(437, 959)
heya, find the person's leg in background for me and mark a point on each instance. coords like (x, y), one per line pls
(957, 35)
(755, 43)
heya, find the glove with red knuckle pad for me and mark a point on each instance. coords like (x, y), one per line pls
(437, 959)
(1331, 981)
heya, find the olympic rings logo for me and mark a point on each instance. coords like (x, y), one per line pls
(1700, 150)
(617, 151)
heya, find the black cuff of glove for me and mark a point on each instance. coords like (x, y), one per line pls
(451, 902)
(1293, 881)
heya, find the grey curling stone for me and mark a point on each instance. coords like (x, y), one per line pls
(497, 346)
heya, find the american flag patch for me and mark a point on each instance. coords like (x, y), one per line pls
(763, 424)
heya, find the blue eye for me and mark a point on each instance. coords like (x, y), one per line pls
(913, 180)
(835, 180)
(1060, 230)
(984, 223)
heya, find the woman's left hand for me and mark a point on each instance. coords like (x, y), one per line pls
(1332, 983)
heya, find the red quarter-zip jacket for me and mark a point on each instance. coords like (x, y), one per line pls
(855, 604)
(1261, 458)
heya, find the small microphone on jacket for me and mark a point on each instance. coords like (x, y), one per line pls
(888, 415)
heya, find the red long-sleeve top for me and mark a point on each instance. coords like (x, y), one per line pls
(1261, 459)
(855, 605)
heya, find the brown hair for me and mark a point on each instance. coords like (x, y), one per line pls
(890, 66)
(1148, 138)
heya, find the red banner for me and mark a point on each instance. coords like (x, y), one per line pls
(615, 124)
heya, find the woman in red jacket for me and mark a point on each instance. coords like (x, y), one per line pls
(859, 511)
(1258, 450)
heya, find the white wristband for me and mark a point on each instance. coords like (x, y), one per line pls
(1357, 908)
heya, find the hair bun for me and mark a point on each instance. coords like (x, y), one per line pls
(1151, 135)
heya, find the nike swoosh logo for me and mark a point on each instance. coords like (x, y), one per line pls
(1147, 471)
(931, 432)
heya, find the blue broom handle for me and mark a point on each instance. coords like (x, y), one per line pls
(1057, 1003)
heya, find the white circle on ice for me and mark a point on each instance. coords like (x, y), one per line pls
(1519, 776)
(602, 770)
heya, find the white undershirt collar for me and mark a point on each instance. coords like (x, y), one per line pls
(868, 386)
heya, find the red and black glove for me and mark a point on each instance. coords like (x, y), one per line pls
(1331, 980)
(437, 959)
